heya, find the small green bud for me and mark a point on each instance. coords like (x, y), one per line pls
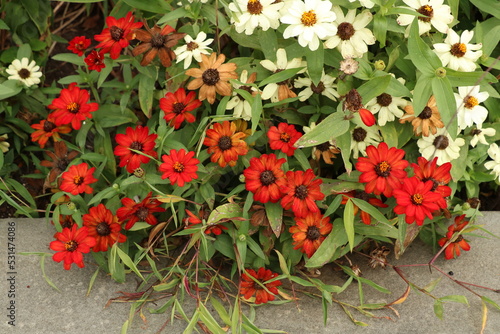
(465, 206)
(71, 206)
(440, 72)
(242, 237)
(116, 186)
(379, 65)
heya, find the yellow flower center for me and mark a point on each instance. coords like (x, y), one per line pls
(178, 167)
(285, 137)
(308, 18)
(73, 107)
(78, 180)
(417, 199)
(427, 11)
(458, 50)
(470, 102)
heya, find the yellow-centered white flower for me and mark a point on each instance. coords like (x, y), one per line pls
(193, 49)
(250, 14)
(24, 71)
(435, 14)
(468, 109)
(457, 53)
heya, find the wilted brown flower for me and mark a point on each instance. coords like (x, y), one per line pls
(378, 257)
(60, 161)
(428, 120)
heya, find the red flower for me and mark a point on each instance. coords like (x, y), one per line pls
(77, 179)
(47, 129)
(71, 106)
(137, 139)
(283, 137)
(310, 232)
(143, 211)
(453, 249)
(79, 44)
(104, 227)
(225, 143)
(193, 220)
(440, 176)
(179, 167)
(117, 36)
(264, 178)
(177, 106)
(249, 287)
(71, 244)
(365, 216)
(382, 170)
(95, 60)
(416, 199)
(300, 193)
(367, 117)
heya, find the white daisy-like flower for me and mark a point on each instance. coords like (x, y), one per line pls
(440, 145)
(363, 136)
(389, 107)
(365, 3)
(241, 107)
(494, 166)
(478, 135)
(193, 49)
(468, 109)
(457, 53)
(251, 14)
(278, 91)
(325, 87)
(310, 21)
(352, 38)
(25, 71)
(435, 14)
(4, 145)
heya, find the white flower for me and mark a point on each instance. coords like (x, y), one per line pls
(280, 91)
(468, 109)
(494, 153)
(478, 135)
(365, 3)
(310, 21)
(242, 108)
(457, 53)
(440, 145)
(387, 106)
(352, 38)
(251, 14)
(437, 15)
(4, 145)
(193, 49)
(28, 74)
(325, 87)
(363, 136)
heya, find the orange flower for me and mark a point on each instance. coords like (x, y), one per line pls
(77, 179)
(104, 227)
(310, 232)
(225, 143)
(249, 287)
(194, 220)
(212, 77)
(70, 245)
(143, 211)
(428, 120)
(300, 192)
(48, 129)
(453, 249)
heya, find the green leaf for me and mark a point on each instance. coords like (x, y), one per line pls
(420, 54)
(283, 264)
(438, 309)
(280, 76)
(446, 104)
(154, 6)
(146, 89)
(256, 111)
(70, 58)
(274, 212)
(458, 79)
(374, 87)
(128, 261)
(455, 298)
(488, 6)
(10, 88)
(373, 211)
(173, 15)
(328, 247)
(421, 94)
(380, 28)
(225, 211)
(3, 25)
(315, 63)
(491, 302)
(269, 43)
(349, 223)
(331, 127)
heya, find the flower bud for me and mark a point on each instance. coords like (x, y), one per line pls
(71, 206)
(379, 65)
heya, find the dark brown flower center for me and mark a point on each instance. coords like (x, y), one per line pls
(417, 199)
(319, 88)
(267, 177)
(24, 73)
(427, 11)
(178, 167)
(362, 195)
(245, 88)
(458, 50)
(103, 229)
(73, 107)
(48, 126)
(435, 183)
(323, 147)
(426, 113)
(313, 233)
(476, 132)
(345, 30)
(210, 77)
(78, 180)
(71, 246)
(225, 143)
(301, 192)
(383, 169)
(142, 213)
(254, 7)
(309, 18)
(359, 134)
(353, 100)
(136, 146)
(67, 222)
(192, 46)
(157, 40)
(178, 108)
(116, 33)
(62, 164)
(384, 99)
(441, 142)
(459, 238)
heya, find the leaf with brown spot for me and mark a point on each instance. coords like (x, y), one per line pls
(402, 298)
(158, 228)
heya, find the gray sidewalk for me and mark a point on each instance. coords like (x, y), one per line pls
(41, 309)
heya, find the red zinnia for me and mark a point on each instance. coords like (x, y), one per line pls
(453, 249)
(71, 106)
(193, 220)
(79, 44)
(117, 36)
(365, 216)
(95, 60)
(249, 287)
(440, 176)
(300, 192)
(225, 143)
(104, 227)
(310, 232)
(283, 137)
(70, 245)
(47, 129)
(264, 178)
(143, 211)
(77, 179)
(382, 170)
(179, 167)
(177, 106)
(137, 139)
(416, 199)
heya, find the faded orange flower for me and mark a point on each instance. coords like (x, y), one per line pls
(428, 120)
